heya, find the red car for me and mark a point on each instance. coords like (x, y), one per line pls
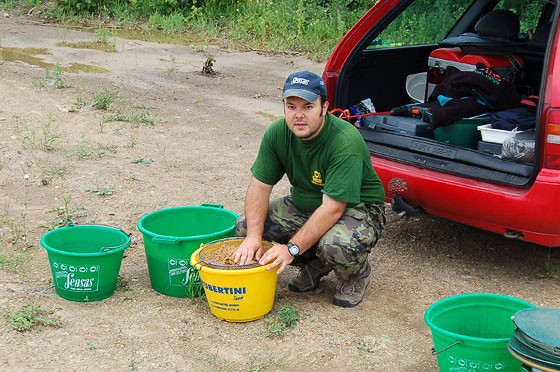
(465, 165)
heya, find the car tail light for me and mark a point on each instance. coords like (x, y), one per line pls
(552, 150)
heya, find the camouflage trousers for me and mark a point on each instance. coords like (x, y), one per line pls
(345, 247)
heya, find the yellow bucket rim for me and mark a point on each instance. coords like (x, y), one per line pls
(200, 266)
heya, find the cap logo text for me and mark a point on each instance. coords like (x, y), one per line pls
(298, 80)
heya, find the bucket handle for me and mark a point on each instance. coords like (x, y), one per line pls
(126, 243)
(200, 264)
(71, 223)
(434, 352)
(212, 205)
(166, 240)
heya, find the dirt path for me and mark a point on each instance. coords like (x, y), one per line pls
(205, 134)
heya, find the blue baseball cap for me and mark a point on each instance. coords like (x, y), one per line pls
(306, 85)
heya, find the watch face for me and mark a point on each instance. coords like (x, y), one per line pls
(294, 249)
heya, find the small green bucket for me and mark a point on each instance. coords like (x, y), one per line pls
(471, 332)
(463, 133)
(172, 235)
(85, 260)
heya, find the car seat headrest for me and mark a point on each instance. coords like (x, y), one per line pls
(500, 23)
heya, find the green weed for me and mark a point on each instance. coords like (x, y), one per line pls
(14, 263)
(32, 316)
(132, 366)
(144, 116)
(49, 175)
(50, 137)
(289, 316)
(286, 318)
(102, 35)
(84, 150)
(65, 214)
(104, 100)
(132, 142)
(275, 329)
(53, 78)
(80, 102)
(364, 347)
(133, 177)
(47, 139)
(122, 284)
(546, 271)
(101, 191)
(146, 161)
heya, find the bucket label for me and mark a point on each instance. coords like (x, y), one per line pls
(76, 278)
(467, 365)
(181, 273)
(237, 295)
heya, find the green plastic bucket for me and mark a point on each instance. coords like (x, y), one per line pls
(172, 235)
(463, 133)
(471, 332)
(85, 260)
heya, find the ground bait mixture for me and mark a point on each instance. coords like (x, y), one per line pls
(221, 252)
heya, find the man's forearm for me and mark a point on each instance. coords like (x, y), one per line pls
(256, 207)
(319, 223)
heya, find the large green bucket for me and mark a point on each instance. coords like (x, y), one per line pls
(172, 235)
(85, 260)
(471, 332)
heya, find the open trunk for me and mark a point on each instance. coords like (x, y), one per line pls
(381, 73)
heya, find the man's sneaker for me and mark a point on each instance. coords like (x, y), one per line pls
(350, 292)
(309, 276)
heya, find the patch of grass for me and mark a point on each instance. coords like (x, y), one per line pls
(14, 263)
(47, 139)
(122, 284)
(146, 161)
(104, 100)
(101, 191)
(32, 316)
(132, 142)
(289, 316)
(132, 365)
(168, 24)
(364, 347)
(286, 318)
(17, 226)
(65, 214)
(132, 177)
(546, 271)
(143, 116)
(49, 175)
(80, 102)
(53, 78)
(84, 150)
(50, 137)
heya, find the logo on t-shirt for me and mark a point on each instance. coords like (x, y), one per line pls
(317, 179)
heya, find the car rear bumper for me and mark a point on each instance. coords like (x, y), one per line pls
(530, 214)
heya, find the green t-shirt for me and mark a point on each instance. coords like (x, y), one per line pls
(337, 163)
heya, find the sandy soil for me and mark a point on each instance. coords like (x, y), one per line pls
(204, 137)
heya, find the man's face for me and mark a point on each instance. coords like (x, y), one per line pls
(305, 119)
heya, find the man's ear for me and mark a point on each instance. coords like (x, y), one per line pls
(326, 107)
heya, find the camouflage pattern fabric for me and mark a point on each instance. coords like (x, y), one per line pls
(345, 247)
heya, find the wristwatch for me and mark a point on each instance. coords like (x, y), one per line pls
(293, 249)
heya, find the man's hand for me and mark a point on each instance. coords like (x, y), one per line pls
(249, 251)
(279, 256)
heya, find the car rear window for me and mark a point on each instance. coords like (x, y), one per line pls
(429, 21)
(423, 22)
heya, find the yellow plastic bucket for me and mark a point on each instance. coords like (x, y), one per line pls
(237, 295)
